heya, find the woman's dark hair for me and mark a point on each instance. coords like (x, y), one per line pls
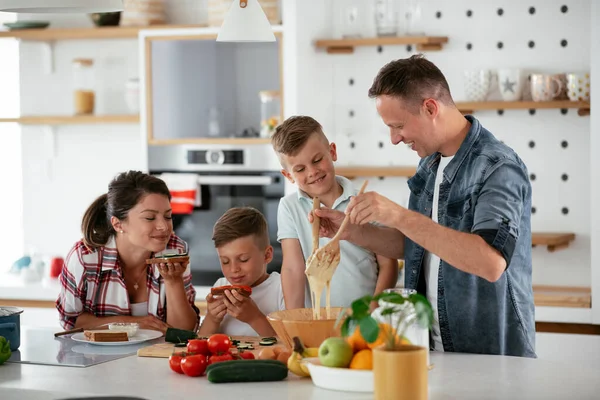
(125, 191)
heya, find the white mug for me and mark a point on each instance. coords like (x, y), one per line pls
(477, 84)
(578, 85)
(511, 83)
(545, 87)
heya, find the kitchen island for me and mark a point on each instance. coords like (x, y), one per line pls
(454, 376)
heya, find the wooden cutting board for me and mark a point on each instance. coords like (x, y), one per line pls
(164, 350)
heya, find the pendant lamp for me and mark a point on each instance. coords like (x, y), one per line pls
(245, 22)
(61, 6)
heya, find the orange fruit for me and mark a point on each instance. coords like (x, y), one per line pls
(385, 330)
(362, 360)
(356, 341)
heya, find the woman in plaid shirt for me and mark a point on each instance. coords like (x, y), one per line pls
(106, 279)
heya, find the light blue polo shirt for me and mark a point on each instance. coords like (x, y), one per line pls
(356, 275)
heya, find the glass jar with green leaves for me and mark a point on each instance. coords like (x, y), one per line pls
(399, 369)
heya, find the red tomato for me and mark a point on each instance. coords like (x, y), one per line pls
(175, 363)
(246, 355)
(218, 358)
(198, 346)
(194, 365)
(219, 343)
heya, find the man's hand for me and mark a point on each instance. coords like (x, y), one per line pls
(241, 308)
(216, 308)
(373, 207)
(330, 222)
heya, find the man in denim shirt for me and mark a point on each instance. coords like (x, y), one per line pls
(466, 235)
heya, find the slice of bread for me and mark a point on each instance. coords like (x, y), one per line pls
(106, 336)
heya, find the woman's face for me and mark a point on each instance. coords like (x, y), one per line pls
(149, 224)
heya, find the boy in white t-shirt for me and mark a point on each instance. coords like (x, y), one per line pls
(242, 241)
(307, 159)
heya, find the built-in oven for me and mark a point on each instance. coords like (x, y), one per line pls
(228, 176)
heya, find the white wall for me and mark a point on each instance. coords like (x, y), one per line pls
(67, 167)
(594, 151)
(11, 237)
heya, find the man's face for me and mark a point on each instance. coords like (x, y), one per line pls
(417, 131)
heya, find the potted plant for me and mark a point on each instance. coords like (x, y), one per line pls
(399, 368)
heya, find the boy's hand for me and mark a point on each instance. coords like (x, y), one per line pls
(216, 308)
(241, 308)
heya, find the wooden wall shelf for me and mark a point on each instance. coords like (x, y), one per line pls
(346, 46)
(554, 241)
(583, 107)
(236, 141)
(74, 119)
(106, 32)
(562, 296)
(354, 172)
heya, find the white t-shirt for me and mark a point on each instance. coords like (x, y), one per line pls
(139, 309)
(432, 262)
(357, 272)
(268, 296)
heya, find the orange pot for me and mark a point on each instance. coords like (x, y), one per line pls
(400, 374)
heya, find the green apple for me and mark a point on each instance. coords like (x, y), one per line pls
(335, 352)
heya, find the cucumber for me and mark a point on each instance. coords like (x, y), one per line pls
(179, 335)
(246, 371)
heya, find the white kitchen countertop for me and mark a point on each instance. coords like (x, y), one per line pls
(455, 376)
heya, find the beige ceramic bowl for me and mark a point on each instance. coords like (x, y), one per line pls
(299, 322)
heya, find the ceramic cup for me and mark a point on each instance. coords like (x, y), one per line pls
(545, 87)
(578, 85)
(511, 83)
(477, 84)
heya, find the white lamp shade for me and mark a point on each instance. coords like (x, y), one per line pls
(61, 6)
(248, 24)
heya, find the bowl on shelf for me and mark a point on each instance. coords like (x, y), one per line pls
(299, 322)
(19, 25)
(106, 19)
(344, 379)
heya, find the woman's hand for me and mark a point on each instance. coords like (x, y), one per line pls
(151, 322)
(172, 272)
(216, 308)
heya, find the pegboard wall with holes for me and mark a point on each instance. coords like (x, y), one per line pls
(548, 37)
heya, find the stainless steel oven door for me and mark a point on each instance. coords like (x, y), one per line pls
(221, 191)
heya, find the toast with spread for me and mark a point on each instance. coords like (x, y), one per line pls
(244, 290)
(169, 258)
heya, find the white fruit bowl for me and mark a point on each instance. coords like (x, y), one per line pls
(343, 379)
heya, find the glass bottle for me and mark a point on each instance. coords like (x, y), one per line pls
(270, 112)
(83, 80)
(386, 17)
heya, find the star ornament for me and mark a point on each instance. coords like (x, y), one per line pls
(508, 86)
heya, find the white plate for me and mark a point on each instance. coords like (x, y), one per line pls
(143, 335)
(344, 379)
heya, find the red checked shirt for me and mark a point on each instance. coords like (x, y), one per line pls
(92, 282)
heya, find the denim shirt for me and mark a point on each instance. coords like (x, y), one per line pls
(486, 191)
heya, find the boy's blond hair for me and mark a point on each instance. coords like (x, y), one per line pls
(294, 132)
(240, 222)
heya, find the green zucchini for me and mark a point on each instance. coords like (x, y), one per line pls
(179, 335)
(236, 362)
(246, 371)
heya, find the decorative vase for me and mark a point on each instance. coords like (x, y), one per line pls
(400, 374)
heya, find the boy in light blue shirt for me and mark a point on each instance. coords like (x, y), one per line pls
(307, 159)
